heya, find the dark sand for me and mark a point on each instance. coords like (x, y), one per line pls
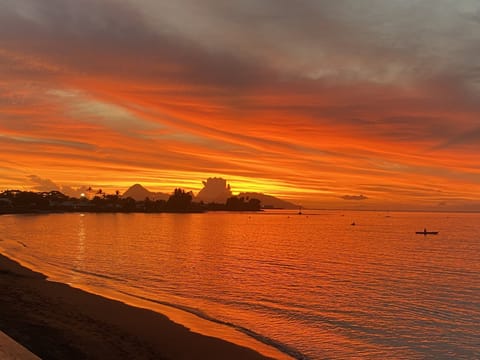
(56, 321)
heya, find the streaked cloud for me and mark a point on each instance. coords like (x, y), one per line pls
(43, 184)
(305, 98)
(354, 197)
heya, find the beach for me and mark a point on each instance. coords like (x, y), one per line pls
(56, 321)
(288, 287)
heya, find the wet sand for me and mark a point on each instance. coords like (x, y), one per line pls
(56, 321)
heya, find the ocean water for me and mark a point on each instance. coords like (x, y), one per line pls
(310, 285)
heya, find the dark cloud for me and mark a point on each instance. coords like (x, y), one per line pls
(40, 184)
(354, 197)
(43, 184)
(238, 44)
(374, 39)
(107, 37)
(227, 50)
(468, 138)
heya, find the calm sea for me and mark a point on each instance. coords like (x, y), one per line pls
(311, 285)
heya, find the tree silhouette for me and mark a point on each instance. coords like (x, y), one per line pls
(16, 201)
(235, 203)
(180, 201)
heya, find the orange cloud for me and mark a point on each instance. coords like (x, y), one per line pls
(116, 102)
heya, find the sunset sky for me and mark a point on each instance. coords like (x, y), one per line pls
(365, 104)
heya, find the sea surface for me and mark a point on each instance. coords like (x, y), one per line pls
(313, 285)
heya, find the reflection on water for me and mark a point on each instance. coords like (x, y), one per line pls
(312, 285)
(80, 251)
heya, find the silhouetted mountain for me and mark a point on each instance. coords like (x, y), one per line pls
(269, 201)
(215, 190)
(139, 193)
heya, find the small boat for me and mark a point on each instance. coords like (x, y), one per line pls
(353, 223)
(425, 232)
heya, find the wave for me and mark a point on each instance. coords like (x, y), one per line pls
(103, 276)
(288, 350)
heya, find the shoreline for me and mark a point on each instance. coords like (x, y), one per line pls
(57, 321)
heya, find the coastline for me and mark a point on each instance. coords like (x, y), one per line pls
(57, 321)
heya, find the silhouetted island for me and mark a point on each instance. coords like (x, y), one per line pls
(17, 202)
(216, 190)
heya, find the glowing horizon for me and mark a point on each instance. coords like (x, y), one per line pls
(330, 105)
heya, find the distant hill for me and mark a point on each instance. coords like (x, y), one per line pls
(269, 201)
(139, 193)
(214, 190)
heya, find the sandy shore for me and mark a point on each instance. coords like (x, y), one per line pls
(56, 321)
